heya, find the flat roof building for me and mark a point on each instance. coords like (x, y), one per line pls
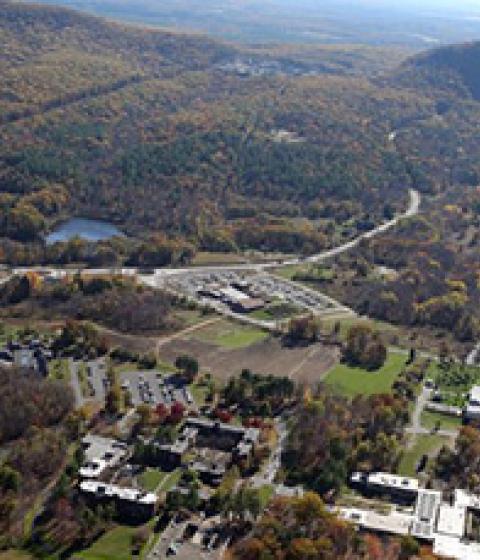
(393, 523)
(444, 525)
(401, 488)
(101, 454)
(472, 410)
(129, 502)
(215, 445)
(426, 512)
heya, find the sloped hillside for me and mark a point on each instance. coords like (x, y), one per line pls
(180, 135)
(453, 70)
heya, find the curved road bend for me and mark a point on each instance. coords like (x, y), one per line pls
(412, 210)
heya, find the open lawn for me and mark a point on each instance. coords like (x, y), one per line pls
(191, 317)
(228, 334)
(424, 445)
(267, 355)
(155, 479)
(59, 369)
(199, 393)
(205, 258)
(352, 381)
(266, 494)
(15, 555)
(454, 381)
(429, 420)
(169, 480)
(348, 322)
(276, 312)
(115, 544)
(289, 272)
(151, 478)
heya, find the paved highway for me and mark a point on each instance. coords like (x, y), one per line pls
(412, 209)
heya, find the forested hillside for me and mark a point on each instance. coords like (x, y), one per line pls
(454, 67)
(189, 144)
(162, 132)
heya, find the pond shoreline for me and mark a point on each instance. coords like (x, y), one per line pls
(85, 228)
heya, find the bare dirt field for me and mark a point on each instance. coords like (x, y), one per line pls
(268, 356)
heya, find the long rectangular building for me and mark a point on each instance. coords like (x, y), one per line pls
(130, 502)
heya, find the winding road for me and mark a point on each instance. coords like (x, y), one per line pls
(412, 210)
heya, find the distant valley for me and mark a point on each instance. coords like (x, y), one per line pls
(303, 22)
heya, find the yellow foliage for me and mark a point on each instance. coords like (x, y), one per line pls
(452, 209)
(457, 285)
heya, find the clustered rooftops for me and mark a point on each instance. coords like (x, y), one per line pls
(216, 446)
(443, 524)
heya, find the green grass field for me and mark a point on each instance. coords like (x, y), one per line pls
(429, 420)
(241, 338)
(15, 555)
(454, 381)
(115, 544)
(151, 478)
(205, 258)
(199, 393)
(289, 272)
(230, 335)
(266, 494)
(276, 312)
(352, 381)
(425, 444)
(347, 323)
(59, 370)
(191, 317)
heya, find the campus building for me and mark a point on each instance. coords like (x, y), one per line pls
(208, 447)
(129, 503)
(472, 409)
(101, 454)
(449, 527)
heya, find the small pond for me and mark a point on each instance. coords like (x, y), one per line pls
(91, 230)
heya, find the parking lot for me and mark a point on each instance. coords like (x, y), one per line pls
(145, 387)
(155, 387)
(212, 288)
(188, 541)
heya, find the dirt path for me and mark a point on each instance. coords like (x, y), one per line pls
(188, 330)
(303, 362)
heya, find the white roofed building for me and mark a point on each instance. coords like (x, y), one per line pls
(101, 454)
(447, 526)
(129, 502)
(472, 409)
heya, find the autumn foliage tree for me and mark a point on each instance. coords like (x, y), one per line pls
(365, 348)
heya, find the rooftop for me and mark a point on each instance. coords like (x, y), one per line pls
(92, 469)
(113, 491)
(451, 520)
(100, 454)
(443, 524)
(452, 547)
(395, 523)
(393, 481)
(474, 395)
